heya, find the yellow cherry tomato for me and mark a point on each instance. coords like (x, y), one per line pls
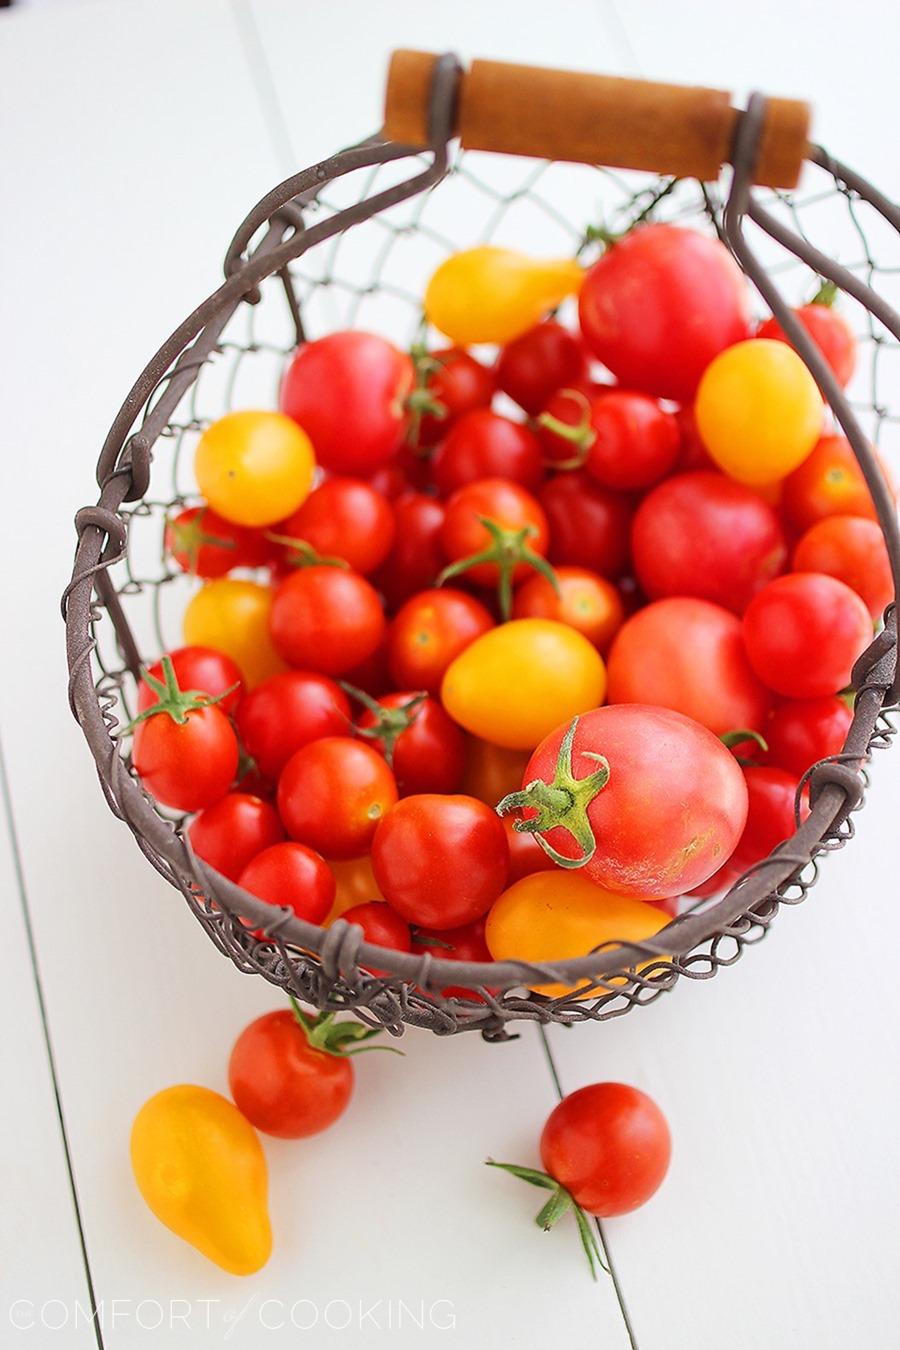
(758, 411)
(490, 294)
(233, 617)
(254, 467)
(200, 1167)
(551, 916)
(356, 885)
(516, 683)
(491, 771)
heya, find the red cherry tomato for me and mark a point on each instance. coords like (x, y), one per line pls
(288, 711)
(722, 880)
(425, 749)
(465, 943)
(282, 1083)
(525, 853)
(694, 454)
(770, 813)
(584, 600)
(829, 482)
(207, 545)
(343, 518)
(348, 392)
(454, 384)
(416, 557)
(441, 861)
(293, 875)
(201, 668)
(231, 832)
(830, 332)
(634, 441)
(659, 305)
(482, 444)
(332, 794)
(702, 534)
(564, 424)
(589, 525)
(382, 926)
(805, 730)
(185, 751)
(429, 632)
(688, 655)
(372, 675)
(852, 549)
(609, 1146)
(326, 619)
(803, 633)
(509, 507)
(545, 358)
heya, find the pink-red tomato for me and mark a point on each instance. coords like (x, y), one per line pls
(483, 444)
(545, 358)
(333, 793)
(803, 633)
(455, 383)
(202, 669)
(427, 749)
(342, 518)
(770, 813)
(830, 332)
(283, 1084)
(293, 875)
(231, 832)
(589, 525)
(634, 442)
(348, 392)
(207, 545)
(659, 305)
(852, 549)
(441, 861)
(704, 535)
(688, 655)
(804, 730)
(288, 711)
(326, 619)
(429, 632)
(583, 599)
(829, 482)
(416, 557)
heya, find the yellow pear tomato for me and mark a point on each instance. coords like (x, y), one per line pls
(490, 294)
(200, 1167)
(518, 682)
(254, 468)
(758, 410)
(232, 616)
(551, 916)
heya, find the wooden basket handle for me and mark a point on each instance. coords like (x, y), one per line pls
(595, 119)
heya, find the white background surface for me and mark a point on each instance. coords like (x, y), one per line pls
(135, 137)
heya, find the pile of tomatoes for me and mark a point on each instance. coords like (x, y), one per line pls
(609, 576)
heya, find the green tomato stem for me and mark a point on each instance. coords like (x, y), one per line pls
(507, 550)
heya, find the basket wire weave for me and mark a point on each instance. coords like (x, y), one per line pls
(295, 268)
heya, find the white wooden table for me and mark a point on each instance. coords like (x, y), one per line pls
(135, 137)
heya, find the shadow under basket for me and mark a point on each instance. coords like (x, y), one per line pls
(351, 242)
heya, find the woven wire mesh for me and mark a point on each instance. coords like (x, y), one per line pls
(373, 278)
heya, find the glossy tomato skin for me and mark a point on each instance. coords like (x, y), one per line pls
(441, 861)
(189, 765)
(830, 332)
(584, 600)
(803, 633)
(348, 392)
(293, 875)
(545, 358)
(232, 616)
(672, 809)
(288, 711)
(230, 833)
(416, 557)
(609, 1145)
(635, 441)
(770, 815)
(458, 383)
(505, 504)
(804, 730)
(428, 633)
(465, 943)
(343, 518)
(283, 1085)
(200, 668)
(589, 525)
(659, 305)
(206, 545)
(382, 926)
(484, 444)
(852, 549)
(332, 794)
(430, 755)
(829, 482)
(326, 619)
(704, 535)
(525, 853)
(254, 467)
(688, 655)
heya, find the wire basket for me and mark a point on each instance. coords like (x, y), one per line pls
(296, 268)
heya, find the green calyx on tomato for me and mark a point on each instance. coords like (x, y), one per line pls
(737, 737)
(560, 1202)
(826, 294)
(324, 1033)
(390, 723)
(420, 400)
(581, 435)
(171, 699)
(188, 537)
(507, 550)
(561, 804)
(298, 553)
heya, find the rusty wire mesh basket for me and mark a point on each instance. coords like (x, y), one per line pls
(296, 268)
